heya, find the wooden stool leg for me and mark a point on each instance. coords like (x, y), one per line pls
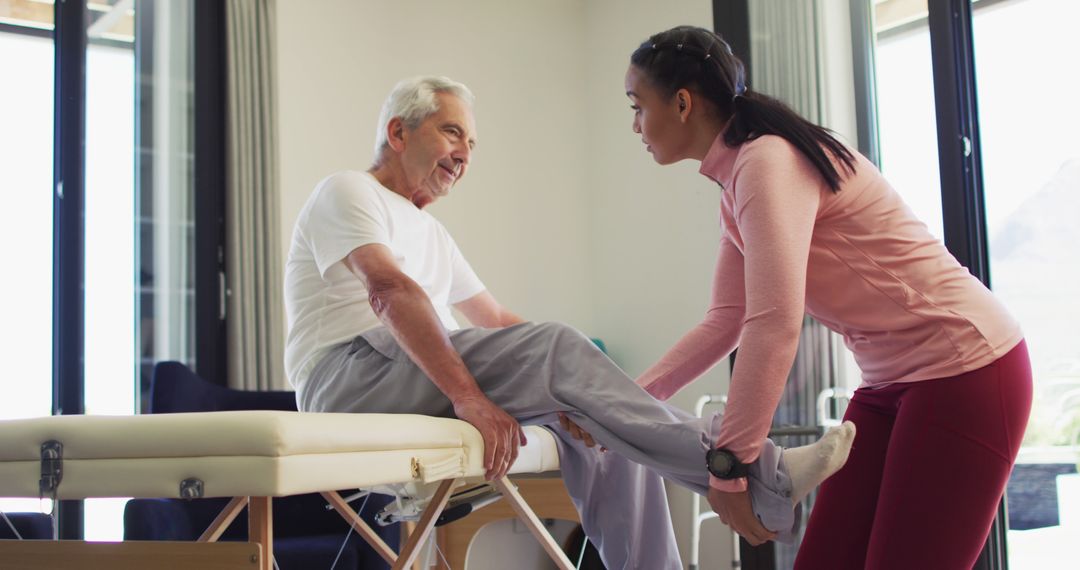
(261, 529)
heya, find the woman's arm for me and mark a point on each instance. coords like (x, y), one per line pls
(712, 339)
(777, 199)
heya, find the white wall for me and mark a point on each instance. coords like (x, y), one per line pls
(521, 213)
(655, 229)
(563, 213)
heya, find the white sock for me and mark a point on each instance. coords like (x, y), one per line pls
(809, 465)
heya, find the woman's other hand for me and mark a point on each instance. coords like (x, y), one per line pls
(736, 511)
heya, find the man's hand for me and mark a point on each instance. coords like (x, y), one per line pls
(502, 434)
(736, 511)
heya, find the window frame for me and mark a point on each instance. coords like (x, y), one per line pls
(69, 230)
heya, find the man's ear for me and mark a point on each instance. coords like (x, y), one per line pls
(685, 102)
(395, 134)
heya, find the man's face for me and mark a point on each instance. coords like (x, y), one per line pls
(437, 152)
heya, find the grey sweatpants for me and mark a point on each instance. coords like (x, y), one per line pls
(533, 371)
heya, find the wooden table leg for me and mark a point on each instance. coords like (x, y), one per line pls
(532, 522)
(261, 528)
(360, 526)
(224, 519)
(427, 522)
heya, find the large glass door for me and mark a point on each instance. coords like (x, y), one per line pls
(26, 203)
(139, 299)
(1031, 191)
(906, 124)
(1028, 118)
(109, 243)
(135, 223)
(26, 199)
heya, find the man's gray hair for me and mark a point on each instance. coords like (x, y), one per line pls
(414, 100)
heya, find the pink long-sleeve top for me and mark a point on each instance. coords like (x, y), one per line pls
(857, 260)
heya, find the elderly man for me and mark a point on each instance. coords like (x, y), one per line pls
(370, 281)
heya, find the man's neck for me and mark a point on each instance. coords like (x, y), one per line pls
(390, 174)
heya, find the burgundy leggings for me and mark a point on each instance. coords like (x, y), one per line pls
(927, 469)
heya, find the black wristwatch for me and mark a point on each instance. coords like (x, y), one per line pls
(723, 465)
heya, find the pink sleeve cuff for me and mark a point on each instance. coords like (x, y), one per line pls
(728, 485)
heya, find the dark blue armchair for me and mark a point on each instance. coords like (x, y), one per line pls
(26, 526)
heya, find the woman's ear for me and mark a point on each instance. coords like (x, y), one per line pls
(685, 103)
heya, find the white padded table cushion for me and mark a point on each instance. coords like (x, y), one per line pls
(249, 453)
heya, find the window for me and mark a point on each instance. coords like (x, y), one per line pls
(1031, 191)
(137, 195)
(1031, 165)
(907, 127)
(26, 180)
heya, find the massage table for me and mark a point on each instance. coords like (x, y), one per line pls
(250, 456)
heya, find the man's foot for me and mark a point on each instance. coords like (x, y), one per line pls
(809, 465)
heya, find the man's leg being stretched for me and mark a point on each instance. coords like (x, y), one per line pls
(533, 371)
(566, 372)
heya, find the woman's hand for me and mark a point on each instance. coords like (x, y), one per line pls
(736, 511)
(576, 432)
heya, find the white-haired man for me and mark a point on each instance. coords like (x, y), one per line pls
(370, 281)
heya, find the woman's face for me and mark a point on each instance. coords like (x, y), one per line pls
(658, 119)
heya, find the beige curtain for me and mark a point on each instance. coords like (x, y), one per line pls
(784, 48)
(254, 274)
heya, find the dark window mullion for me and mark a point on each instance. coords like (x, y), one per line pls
(209, 148)
(731, 19)
(144, 198)
(962, 206)
(69, 137)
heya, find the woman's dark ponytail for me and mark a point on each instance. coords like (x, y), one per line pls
(755, 114)
(696, 58)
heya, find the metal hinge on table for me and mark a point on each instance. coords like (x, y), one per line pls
(52, 468)
(191, 488)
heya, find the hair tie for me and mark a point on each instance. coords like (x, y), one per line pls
(740, 88)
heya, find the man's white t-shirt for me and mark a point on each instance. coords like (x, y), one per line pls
(325, 303)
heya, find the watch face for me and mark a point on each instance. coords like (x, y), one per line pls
(720, 463)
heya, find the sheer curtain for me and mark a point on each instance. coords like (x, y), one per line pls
(255, 312)
(784, 53)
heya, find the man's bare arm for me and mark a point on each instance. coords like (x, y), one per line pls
(404, 308)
